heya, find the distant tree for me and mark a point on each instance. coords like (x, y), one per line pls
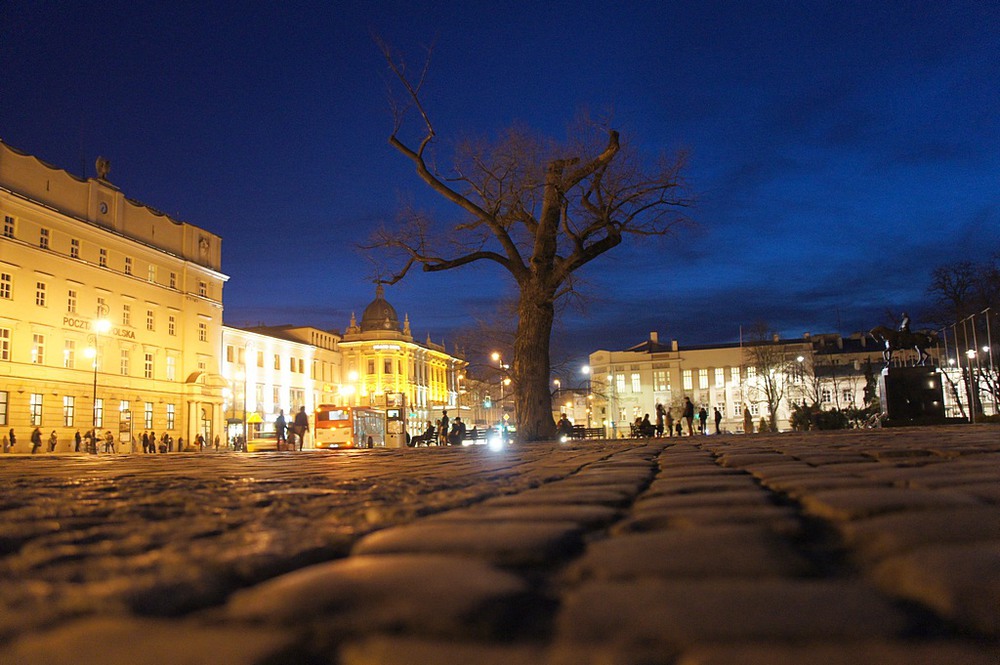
(538, 209)
(772, 364)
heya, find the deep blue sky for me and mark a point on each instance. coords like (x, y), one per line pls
(839, 150)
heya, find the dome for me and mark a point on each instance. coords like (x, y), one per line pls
(380, 315)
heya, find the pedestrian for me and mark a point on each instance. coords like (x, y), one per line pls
(670, 423)
(77, 439)
(152, 442)
(747, 420)
(145, 442)
(443, 430)
(564, 427)
(13, 439)
(53, 440)
(6, 444)
(109, 442)
(703, 420)
(718, 420)
(679, 431)
(659, 419)
(689, 415)
(301, 425)
(279, 429)
(36, 440)
(216, 443)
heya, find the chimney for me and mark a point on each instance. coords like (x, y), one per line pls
(775, 338)
(654, 337)
(673, 345)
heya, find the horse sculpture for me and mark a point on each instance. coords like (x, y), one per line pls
(897, 340)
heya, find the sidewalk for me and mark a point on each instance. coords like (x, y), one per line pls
(853, 547)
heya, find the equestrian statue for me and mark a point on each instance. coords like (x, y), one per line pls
(902, 339)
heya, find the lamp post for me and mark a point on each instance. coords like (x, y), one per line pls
(973, 388)
(504, 381)
(99, 325)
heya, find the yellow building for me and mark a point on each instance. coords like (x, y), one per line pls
(380, 359)
(85, 270)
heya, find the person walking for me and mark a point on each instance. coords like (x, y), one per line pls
(6, 444)
(443, 430)
(659, 419)
(747, 420)
(36, 440)
(703, 420)
(13, 440)
(301, 425)
(689, 415)
(53, 440)
(718, 420)
(279, 429)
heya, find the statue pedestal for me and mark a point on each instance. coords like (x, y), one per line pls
(911, 396)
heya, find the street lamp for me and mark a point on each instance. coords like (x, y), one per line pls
(99, 325)
(973, 388)
(505, 381)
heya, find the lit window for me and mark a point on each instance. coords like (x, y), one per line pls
(720, 377)
(128, 265)
(69, 407)
(202, 332)
(147, 366)
(43, 238)
(147, 414)
(688, 384)
(171, 368)
(123, 365)
(170, 416)
(848, 396)
(150, 321)
(4, 343)
(387, 366)
(173, 280)
(40, 294)
(5, 285)
(151, 274)
(230, 353)
(74, 248)
(4, 401)
(636, 383)
(203, 289)
(8, 226)
(620, 383)
(35, 409)
(171, 325)
(126, 315)
(277, 361)
(825, 396)
(71, 301)
(69, 354)
(703, 378)
(260, 359)
(102, 259)
(751, 373)
(734, 375)
(38, 349)
(99, 412)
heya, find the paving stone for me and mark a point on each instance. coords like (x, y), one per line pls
(897, 533)
(556, 495)
(703, 499)
(711, 552)
(684, 612)
(388, 650)
(505, 543)
(846, 504)
(442, 595)
(588, 516)
(960, 582)
(700, 484)
(125, 641)
(850, 653)
(779, 519)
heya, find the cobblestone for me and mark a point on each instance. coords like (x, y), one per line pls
(849, 547)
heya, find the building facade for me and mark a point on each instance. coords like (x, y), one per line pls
(829, 370)
(110, 311)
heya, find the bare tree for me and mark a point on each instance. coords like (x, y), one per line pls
(772, 362)
(539, 210)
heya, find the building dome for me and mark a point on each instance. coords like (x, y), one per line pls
(380, 315)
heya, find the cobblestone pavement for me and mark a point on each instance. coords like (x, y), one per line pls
(822, 548)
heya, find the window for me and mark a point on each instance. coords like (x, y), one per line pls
(847, 396)
(371, 367)
(40, 294)
(123, 365)
(102, 258)
(751, 373)
(661, 379)
(128, 265)
(202, 366)
(147, 415)
(260, 359)
(151, 274)
(69, 404)
(620, 383)
(173, 280)
(720, 377)
(4, 343)
(38, 349)
(124, 411)
(276, 396)
(202, 332)
(126, 314)
(5, 285)
(297, 397)
(734, 375)
(147, 366)
(688, 384)
(102, 306)
(35, 409)
(99, 412)
(203, 289)
(71, 301)
(43, 238)
(171, 368)
(825, 396)
(636, 383)
(277, 361)
(703, 378)
(4, 399)
(230, 353)
(69, 354)
(8, 226)
(171, 325)
(170, 416)
(386, 366)
(74, 248)
(241, 356)
(754, 409)
(302, 366)
(150, 320)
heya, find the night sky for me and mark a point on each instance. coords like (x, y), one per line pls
(839, 151)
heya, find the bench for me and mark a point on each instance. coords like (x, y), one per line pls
(475, 436)
(581, 432)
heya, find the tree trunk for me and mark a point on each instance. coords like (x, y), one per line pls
(532, 400)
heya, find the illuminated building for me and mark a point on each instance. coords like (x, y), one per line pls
(380, 359)
(74, 250)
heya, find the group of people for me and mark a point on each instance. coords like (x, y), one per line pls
(95, 442)
(665, 423)
(439, 433)
(291, 436)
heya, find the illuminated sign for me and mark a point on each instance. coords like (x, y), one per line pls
(84, 324)
(386, 347)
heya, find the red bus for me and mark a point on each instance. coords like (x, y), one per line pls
(336, 427)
